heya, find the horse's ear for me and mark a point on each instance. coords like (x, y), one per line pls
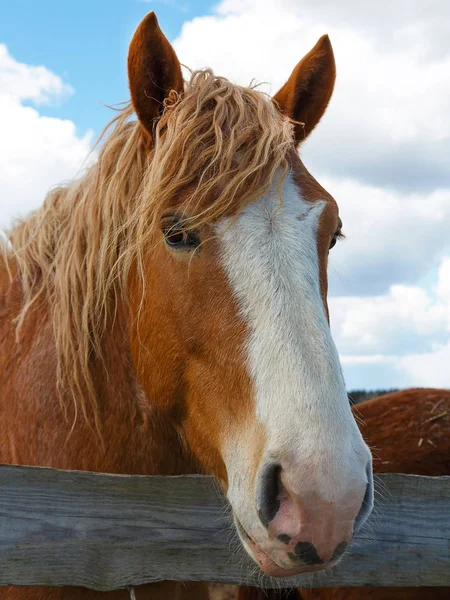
(153, 71)
(305, 95)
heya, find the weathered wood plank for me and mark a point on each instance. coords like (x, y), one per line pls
(109, 531)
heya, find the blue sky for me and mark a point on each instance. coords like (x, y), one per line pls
(382, 148)
(86, 43)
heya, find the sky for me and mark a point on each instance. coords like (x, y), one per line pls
(382, 149)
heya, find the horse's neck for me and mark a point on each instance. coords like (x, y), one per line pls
(33, 429)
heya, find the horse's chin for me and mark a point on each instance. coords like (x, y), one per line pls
(268, 565)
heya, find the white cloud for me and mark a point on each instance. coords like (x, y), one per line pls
(370, 359)
(24, 82)
(430, 369)
(443, 286)
(404, 318)
(407, 329)
(36, 152)
(392, 237)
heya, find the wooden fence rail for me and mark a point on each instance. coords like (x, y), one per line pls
(106, 532)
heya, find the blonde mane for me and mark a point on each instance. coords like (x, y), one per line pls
(221, 142)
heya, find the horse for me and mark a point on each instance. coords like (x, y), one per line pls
(166, 313)
(408, 432)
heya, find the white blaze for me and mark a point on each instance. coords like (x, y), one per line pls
(270, 256)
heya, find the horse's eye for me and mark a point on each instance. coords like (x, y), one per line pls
(334, 239)
(176, 237)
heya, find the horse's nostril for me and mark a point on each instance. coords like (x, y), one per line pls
(269, 493)
(307, 553)
(367, 503)
(339, 550)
